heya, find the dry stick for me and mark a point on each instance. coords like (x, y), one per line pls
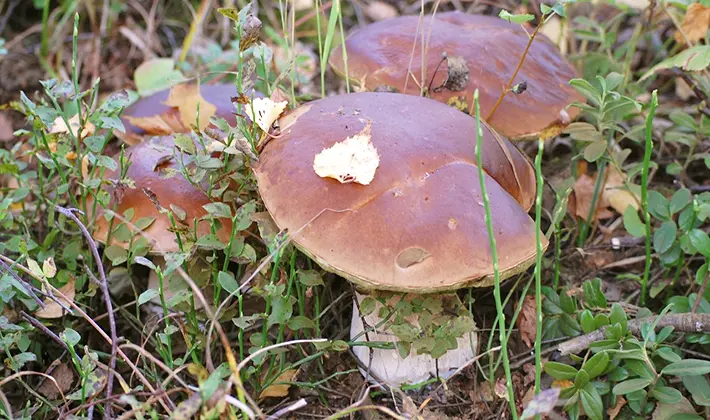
(27, 286)
(531, 38)
(293, 407)
(685, 322)
(103, 284)
(35, 323)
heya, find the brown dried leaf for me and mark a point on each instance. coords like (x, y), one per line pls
(5, 127)
(527, 320)
(457, 74)
(501, 388)
(379, 10)
(616, 194)
(64, 377)
(159, 125)
(695, 23)
(277, 389)
(60, 127)
(52, 308)
(614, 411)
(186, 98)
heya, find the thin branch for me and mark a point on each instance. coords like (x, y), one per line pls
(686, 322)
(27, 286)
(103, 284)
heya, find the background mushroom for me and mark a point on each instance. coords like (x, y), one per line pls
(150, 115)
(418, 227)
(483, 52)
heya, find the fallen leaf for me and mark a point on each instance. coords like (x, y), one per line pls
(501, 388)
(667, 411)
(187, 99)
(159, 125)
(614, 196)
(59, 126)
(542, 403)
(6, 131)
(64, 377)
(264, 111)
(695, 24)
(552, 28)
(457, 74)
(379, 10)
(562, 383)
(527, 320)
(614, 411)
(156, 74)
(354, 159)
(52, 308)
(277, 389)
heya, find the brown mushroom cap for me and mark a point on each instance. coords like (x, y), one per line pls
(145, 170)
(425, 197)
(220, 95)
(380, 54)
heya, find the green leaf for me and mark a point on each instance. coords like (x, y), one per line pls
(687, 367)
(666, 395)
(630, 386)
(667, 354)
(594, 151)
(699, 388)
(702, 273)
(596, 365)
(591, 402)
(680, 199)
(587, 90)
(211, 242)
(581, 380)
(664, 236)
(218, 210)
(515, 18)
(300, 322)
(658, 205)
(367, 306)
(155, 75)
(310, 278)
(560, 371)
(227, 281)
(71, 337)
(617, 315)
(116, 254)
(586, 320)
(405, 332)
(700, 241)
(693, 59)
(633, 223)
(146, 296)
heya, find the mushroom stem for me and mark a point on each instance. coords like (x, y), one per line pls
(387, 365)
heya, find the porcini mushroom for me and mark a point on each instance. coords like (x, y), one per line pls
(151, 115)
(414, 224)
(483, 53)
(152, 187)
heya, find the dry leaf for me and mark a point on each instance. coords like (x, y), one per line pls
(562, 383)
(354, 159)
(60, 127)
(614, 411)
(264, 111)
(6, 131)
(527, 320)
(614, 196)
(52, 308)
(695, 24)
(159, 125)
(552, 28)
(186, 98)
(501, 388)
(277, 389)
(64, 377)
(457, 74)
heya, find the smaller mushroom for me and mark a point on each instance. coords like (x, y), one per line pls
(152, 185)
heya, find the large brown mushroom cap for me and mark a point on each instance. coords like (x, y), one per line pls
(424, 200)
(149, 161)
(381, 53)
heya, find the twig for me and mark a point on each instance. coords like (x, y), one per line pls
(686, 322)
(35, 323)
(293, 407)
(48, 294)
(103, 284)
(531, 38)
(24, 284)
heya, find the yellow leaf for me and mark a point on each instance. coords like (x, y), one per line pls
(159, 125)
(562, 383)
(264, 111)
(186, 98)
(695, 23)
(52, 308)
(277, 389)
(48, 268)
(354, 159)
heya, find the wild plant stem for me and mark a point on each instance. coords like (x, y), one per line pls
(644, 191)
(538, 264)
(494, 257)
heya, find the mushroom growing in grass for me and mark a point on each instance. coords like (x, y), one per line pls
(161, 114)
(481, 52)
(383, 190)
(156, 198)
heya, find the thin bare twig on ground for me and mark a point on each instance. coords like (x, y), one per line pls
(685, 322)
(35, 323)
(48, 294)
(103, 285)
(293, 407)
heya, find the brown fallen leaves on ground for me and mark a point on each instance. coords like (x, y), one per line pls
(695, 24)
(614, 196)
